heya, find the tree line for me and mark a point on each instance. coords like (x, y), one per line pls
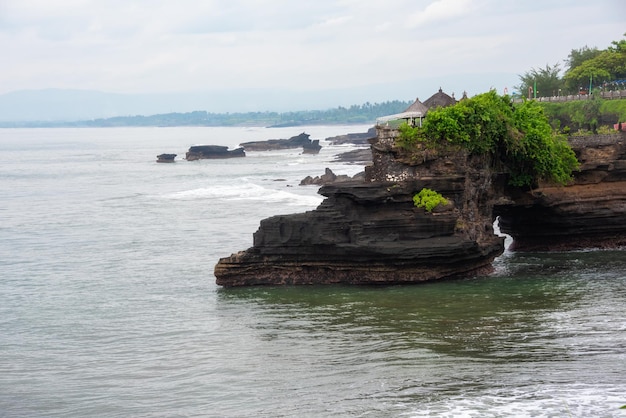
(355, 114)
(586, 69)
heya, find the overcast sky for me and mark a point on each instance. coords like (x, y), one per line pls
(155, 46)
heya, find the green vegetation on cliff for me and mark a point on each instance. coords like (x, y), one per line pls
(429, 199)
(517, 136)
(584, 114)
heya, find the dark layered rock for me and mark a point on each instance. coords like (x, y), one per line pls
(357, 156)
(299, 141)
(200, 152)
(166, 158)
(369, 232)
(363, 233)
(591, 212)
(312, 147)
(329, 178)
(361, 138)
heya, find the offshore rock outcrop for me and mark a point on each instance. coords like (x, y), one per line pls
(166, 158)
(357, 156)
(362, 138)
(202, 152)
(308, 146)
(369, 232)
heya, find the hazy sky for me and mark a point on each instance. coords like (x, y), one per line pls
(142, 46)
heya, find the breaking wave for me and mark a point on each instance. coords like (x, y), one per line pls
(246, 191)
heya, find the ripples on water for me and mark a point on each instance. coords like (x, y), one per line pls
(496, 346)
(109, 307)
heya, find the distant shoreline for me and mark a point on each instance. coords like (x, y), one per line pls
(65, 125)
(354, 115)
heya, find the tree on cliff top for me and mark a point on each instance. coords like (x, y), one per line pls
(584, 66)
(517, 136)
(596, 67)
(546, 81)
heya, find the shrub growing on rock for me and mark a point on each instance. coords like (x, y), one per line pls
(429, 199)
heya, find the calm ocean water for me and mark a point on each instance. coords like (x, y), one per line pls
(108, 303)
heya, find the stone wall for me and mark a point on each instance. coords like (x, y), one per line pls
(584, 141)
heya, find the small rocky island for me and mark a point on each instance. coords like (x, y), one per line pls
(370, 232)
(211, 152)
(166, 158)
(299, 141)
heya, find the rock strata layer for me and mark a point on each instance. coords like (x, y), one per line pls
(361, 234)
(370, 232)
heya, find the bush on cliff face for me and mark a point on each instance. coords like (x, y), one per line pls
(535, 152)
(517, 136)
(429, 199)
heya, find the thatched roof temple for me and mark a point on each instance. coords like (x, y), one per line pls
(418, 110)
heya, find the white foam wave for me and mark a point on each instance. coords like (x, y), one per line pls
(246, 191)
(570, 400)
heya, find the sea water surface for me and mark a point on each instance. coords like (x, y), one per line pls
(108, 303)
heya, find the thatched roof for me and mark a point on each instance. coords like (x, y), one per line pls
(439, 99)
(418, 107)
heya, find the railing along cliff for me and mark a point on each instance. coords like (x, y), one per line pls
(618, 94)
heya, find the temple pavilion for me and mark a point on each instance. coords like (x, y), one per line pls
(415, 113)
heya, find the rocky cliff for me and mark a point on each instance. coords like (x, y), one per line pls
(591, 212)
(369, 232)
